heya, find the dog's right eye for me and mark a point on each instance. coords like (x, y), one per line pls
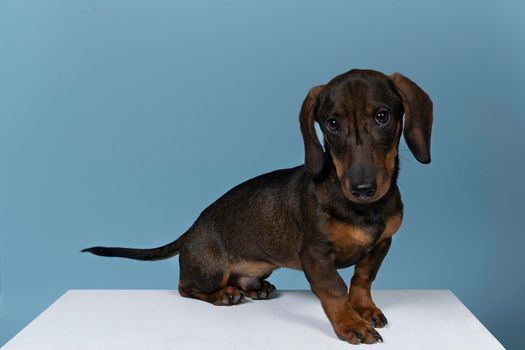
(332, 124)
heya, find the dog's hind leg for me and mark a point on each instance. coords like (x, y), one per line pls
(255, 287)
(209, 283)
(204, 274)
(263, 290)
(229, 295)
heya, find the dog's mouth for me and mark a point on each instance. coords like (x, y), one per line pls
(353, 197)
(366, 195)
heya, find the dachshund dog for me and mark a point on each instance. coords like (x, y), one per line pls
(339, 209)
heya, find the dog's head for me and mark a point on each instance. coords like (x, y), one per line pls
(361, 116)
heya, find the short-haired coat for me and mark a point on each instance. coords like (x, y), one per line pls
(339, 209)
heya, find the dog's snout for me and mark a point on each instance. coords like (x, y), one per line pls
(364, 190)
(361, 181)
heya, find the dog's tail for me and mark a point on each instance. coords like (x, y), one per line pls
(160, 253)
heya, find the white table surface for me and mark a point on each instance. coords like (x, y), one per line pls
(162, 320)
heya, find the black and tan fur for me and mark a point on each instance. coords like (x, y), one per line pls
(311, 217)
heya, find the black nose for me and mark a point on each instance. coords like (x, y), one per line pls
(364, 190)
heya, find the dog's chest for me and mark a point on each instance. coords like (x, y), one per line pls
(351, 242)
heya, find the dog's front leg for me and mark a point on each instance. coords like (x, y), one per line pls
(330, 288)
(360, 296)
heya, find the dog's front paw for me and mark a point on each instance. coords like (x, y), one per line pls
(373, 315)
(357, 331)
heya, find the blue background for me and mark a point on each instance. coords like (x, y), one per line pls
(121, 120)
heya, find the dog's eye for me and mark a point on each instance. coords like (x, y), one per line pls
(382, 117)
(332, 124)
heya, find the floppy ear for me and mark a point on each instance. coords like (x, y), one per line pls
(314, 155)
(418, 116)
